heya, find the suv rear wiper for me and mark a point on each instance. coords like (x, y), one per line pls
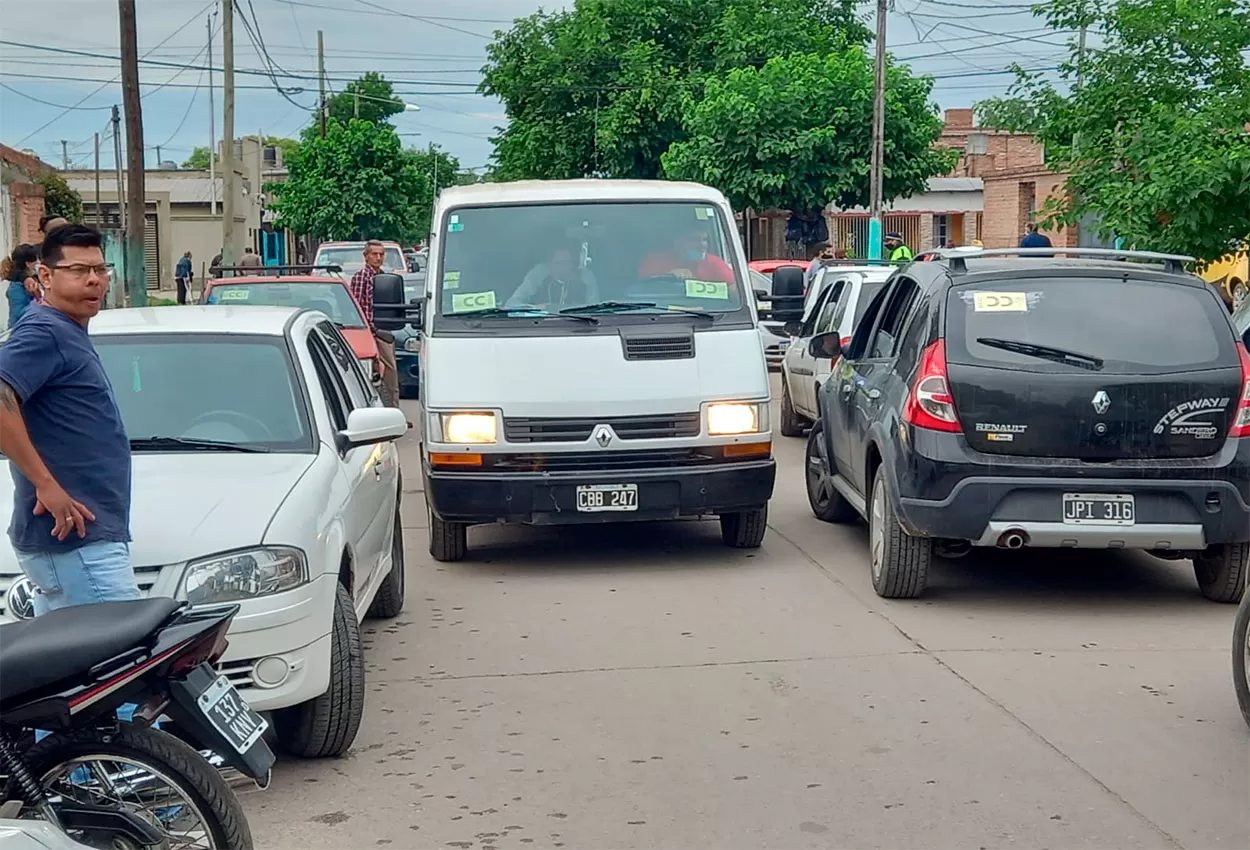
(1046, 352)
(142, 443)
(622, 306)
(532, 313)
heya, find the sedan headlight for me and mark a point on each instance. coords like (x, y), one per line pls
(237, 576)
(413, 344)
(469, 428)
(727, 418)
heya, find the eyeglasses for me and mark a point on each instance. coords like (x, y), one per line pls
(82, 269)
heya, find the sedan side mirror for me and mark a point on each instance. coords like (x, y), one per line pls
(825, 345)
(367, 426)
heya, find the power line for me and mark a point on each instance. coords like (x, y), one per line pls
(425, 19)
(48, 103)
(380, 10)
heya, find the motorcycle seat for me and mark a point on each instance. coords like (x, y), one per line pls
(68, 642)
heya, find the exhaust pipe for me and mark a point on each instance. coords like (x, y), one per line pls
(1013, 539)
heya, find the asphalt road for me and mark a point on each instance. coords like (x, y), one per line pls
(645, 687)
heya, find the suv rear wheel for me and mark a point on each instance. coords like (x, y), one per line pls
(1241, 658)
(900, 562)
(1221, 571)
(791, 422)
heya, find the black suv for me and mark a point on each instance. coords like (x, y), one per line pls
(1098, 400)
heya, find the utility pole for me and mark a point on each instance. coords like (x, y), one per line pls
(64, 155)
(228, 257)
(117, 156)
(136, 274)
(875, 190)
(321, 82)
(356, 106)
(158, 157)
(99, 217)
(212, 115)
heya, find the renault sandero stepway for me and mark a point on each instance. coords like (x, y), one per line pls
(590, 353)
(1013, 398)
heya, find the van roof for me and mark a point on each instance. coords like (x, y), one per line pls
(530, 191)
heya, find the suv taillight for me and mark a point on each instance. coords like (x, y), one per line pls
(930, 404)
(1241, 416)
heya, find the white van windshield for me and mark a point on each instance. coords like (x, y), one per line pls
(594, 258)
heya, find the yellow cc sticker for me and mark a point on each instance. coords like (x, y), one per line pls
(1000, 302)
(707, 289)
(235, 295)
(464, 302)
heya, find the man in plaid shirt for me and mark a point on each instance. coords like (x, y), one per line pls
(362, 290)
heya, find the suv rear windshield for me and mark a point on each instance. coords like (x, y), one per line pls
(1123, 326)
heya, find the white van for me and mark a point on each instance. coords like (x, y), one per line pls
(591, 354)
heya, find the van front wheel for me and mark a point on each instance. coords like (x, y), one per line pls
(744, 529)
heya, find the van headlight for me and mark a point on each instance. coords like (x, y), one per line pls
(735, 417)
(469, 428)
(248, 574)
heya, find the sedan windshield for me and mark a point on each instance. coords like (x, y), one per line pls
(331, 298)
(352, 259)
(231, 390)
(539, 260)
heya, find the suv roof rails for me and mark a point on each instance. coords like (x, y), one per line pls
(262, 271)
(1172, 263)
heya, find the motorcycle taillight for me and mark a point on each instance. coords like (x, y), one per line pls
(206, 650)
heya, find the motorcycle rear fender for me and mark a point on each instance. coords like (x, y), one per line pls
(183, 710)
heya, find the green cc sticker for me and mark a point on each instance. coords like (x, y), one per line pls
(235, 295)
(465, 302)
(707, 289)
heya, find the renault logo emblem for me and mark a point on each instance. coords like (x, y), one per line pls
(603, 436)
(20, 600)
(1102, 402)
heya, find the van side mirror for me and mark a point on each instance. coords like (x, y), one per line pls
(391, 310)
(787, 299)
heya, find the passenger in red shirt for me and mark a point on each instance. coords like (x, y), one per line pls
(689, 260)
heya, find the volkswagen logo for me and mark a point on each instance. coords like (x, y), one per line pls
(1102, 402)
(603, 436)
(20, 600)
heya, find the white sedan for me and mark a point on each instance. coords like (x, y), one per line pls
(265, 474)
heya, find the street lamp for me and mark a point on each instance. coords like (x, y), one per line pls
(411, 107)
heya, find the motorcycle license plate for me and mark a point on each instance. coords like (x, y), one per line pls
(225, 708)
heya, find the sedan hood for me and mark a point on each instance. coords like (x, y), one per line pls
(186, 505)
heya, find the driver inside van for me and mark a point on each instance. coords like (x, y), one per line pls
(689, 260)
(556, 284)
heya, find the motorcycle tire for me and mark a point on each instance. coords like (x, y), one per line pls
(179, 765)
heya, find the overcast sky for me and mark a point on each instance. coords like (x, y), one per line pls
(433, 49)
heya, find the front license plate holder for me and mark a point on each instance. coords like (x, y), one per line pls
(1115, 509)
(599, 498)
(236, 721)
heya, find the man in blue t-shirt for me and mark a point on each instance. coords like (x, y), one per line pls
(62, 433)
(1033, 239)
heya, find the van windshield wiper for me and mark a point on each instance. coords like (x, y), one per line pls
(624, 306)
(526, 311)
(1045, 352)
(142, 443)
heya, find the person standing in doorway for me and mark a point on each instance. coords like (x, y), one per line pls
(1033, 239)
(362, 290)
(183, 275)
(62, 432)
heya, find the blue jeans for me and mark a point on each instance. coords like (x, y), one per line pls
(97, 572)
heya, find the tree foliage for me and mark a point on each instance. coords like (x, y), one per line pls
(199, 155)
(440, 170)
(355, 183)
(1154, 138)
(602, 88)
(58, 197)
(372, 94)
(797, 133)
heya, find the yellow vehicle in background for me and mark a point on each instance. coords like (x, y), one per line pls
(1230, 275)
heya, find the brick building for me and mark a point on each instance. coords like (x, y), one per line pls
(21, 198)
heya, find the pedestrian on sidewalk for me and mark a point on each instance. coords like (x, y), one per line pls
(362, 290)
(824, 251)
(250, 260)
(62, 432)
(183, 276)
(1033, 239)
(21, 273)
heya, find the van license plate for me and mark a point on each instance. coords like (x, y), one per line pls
(1098, 509)
(230, 715)
(592, 498)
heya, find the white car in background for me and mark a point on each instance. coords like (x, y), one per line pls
(836, 300)
(264, 474)
(772, 335)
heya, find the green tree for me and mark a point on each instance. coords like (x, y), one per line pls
(1149, 125)
(797, 133)
(372, 95)
(58, 197)
(600, 89)
(356, 183)
(198, 158)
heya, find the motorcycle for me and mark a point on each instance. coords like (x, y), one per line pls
(1241, 656)
(113, 784)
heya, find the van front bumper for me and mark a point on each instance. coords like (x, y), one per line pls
(550, 498)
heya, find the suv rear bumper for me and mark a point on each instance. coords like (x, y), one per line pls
(1177, 507)
(550, 498)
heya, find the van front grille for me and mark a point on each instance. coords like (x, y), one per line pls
(659, 347)
(573, 429)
